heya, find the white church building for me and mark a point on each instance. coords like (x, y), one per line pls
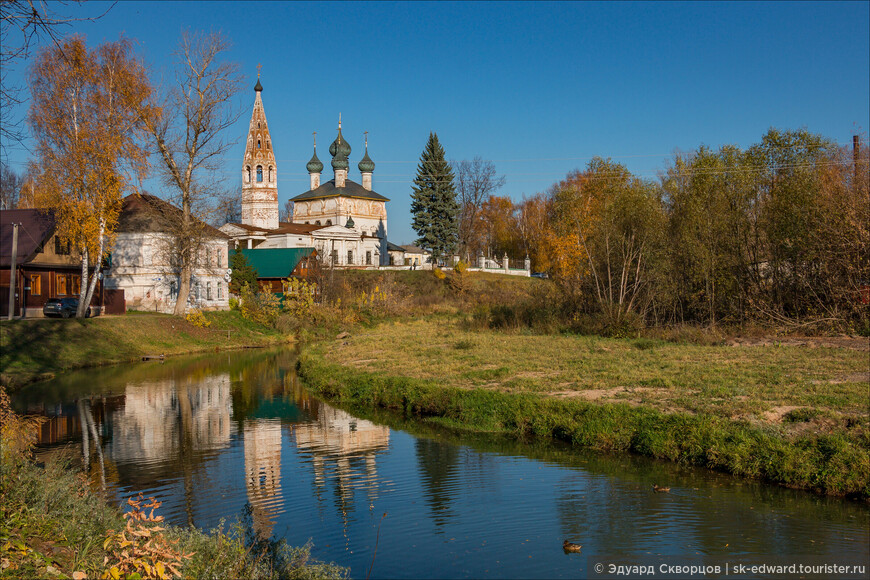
(346, 222)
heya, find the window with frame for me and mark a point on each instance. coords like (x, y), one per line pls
(368, 258)
(350, 256)
(259, 174)
(61, 247)
(75, 284)
(61, 284)
(220, 258)
(335, 256)
(328, 222)
(208, 290)
(248, 174)
(220, 290)
(35, 285)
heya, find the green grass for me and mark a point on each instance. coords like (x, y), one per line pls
(725, 408)
(33, 349)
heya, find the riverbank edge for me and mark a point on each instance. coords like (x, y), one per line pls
(14, 381)
(824, 464)
(176, 341)
(36, 537)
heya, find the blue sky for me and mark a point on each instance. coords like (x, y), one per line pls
(538, 88)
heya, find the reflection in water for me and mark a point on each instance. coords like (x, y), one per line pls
(215, 437)
(438, 468)
(342, 450)
(263, 473)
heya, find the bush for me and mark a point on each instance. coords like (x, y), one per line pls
(196, 318)
(234, 303)
(261, 307)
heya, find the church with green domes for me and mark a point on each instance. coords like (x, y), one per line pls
(345, 221)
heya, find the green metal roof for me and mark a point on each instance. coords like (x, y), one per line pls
(275, 262)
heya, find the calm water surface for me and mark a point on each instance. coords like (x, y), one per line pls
(216, 436)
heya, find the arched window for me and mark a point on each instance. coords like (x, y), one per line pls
(268, 143)
(329, 222)
(271, 179)
(258, 143)
(317, 223)
(259, 174)
(248, 174)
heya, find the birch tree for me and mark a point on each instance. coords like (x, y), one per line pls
(87, 118)
(189, 138)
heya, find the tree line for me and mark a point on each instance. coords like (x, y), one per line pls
(776, 233)
(99, 123)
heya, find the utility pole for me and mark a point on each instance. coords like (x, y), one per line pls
(12, 270)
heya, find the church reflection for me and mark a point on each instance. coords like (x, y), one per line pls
(162, 432)
(342, 450)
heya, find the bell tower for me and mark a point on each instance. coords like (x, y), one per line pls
(259, 170)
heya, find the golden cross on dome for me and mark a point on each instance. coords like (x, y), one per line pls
(366, 133)
(259, 66)
(339, 121)
(315, 138)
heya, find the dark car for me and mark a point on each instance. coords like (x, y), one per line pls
(539, 275)
(63, 307)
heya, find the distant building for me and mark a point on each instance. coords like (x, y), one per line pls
(275, 265)
(46, 267)
(142, 263)
(346, 222)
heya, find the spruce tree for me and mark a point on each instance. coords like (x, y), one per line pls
(243, 273)
(433, 202)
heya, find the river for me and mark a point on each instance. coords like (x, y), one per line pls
(235, 435)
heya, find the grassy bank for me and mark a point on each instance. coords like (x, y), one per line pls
(53, 526)
(789, 415)
(33, 349)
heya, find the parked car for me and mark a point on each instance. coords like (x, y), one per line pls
(539, 275)
(63, 307)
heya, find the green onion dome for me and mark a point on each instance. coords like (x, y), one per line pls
(314, 166)
(349, 223)
(258, 87)
(339, 162)
(340, 146)
(366, 165)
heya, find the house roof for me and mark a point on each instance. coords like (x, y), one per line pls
(37, 226)
(350, 189)
(415, 250)
(275, 262)
(283, 228)
(391, 247)
(141, 213)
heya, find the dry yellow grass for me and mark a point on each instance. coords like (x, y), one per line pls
(807, 388)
